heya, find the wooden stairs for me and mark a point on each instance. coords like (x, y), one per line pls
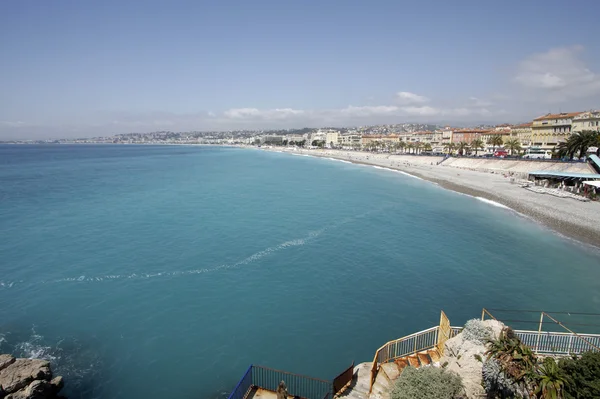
(389, 372)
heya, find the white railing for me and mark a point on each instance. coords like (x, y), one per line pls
(559, 343)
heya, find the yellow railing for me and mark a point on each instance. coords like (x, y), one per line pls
(432, 338)
(405, 346)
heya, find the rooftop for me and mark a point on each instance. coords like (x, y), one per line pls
(557, 116)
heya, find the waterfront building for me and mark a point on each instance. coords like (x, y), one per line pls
(588, 120)
(332, 138)
(390, 138)
(522, 132)
(467, 135)
(502, 131)
(350, 140)
(549, 130)
(296, 138)
(317, 136)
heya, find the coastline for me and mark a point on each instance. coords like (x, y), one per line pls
(567, 217)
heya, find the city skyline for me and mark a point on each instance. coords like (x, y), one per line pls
(81, 70)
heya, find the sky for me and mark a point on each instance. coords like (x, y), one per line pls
(82, 69)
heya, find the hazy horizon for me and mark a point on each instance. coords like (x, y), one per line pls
(82, 70)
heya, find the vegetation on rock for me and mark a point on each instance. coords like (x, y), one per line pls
(476, 331)
(427, 383)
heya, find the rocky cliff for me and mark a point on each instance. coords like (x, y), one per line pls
(27, 379)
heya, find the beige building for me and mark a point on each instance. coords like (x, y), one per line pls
(503, 132)
(332, 138)
(549, 130)
(367, 139)
(350, 140)
(589, 120)
(522, 132)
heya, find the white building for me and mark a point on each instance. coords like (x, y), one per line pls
(589, 120)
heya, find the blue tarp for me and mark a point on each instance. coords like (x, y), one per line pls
(566, 175)
(595, 159)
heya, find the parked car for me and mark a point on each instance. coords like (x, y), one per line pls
(501, 153)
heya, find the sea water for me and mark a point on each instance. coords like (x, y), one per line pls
(165, 271)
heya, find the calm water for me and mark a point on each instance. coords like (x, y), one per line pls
(165, 271)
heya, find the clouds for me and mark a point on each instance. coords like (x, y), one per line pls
(407, 107)
(558, 78)
(408, 98)
(556, 75)
(257, 114)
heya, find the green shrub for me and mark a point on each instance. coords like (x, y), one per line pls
(582, 376)
(427, 383)
(476, 331)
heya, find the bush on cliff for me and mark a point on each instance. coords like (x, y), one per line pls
(427, 383)
(582, 376)
(476, 331)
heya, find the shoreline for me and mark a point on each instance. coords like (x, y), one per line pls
(566, 217)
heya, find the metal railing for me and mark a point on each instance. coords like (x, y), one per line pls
(268, 379)
(550, 342)
(243, 387)
(559, 343)
(407, 346)
(342, 380)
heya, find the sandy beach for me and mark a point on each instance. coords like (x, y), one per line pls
(566, 216)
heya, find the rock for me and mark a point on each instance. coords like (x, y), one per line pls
(5, 361)
(57, 384)
(22, 372)
(465, 358)
(495, 327)
(38, 389)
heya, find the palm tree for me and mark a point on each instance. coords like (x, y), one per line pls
(402, 145)
(418, 146)
(476, 145)
(427, 147)
(513, 145)
(581, 141)
(550, 380)
(495, 141)
(410, 146)
(462, 147)
(450, 147)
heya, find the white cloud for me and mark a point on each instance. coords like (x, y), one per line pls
(408, 98)
(478, 102)
(268, 114)
(368, 110)
(13, 124)
(558, 74)
(420, 111)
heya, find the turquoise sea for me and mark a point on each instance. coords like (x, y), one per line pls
(164, 271)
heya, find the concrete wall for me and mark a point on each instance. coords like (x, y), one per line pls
(516, 166)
